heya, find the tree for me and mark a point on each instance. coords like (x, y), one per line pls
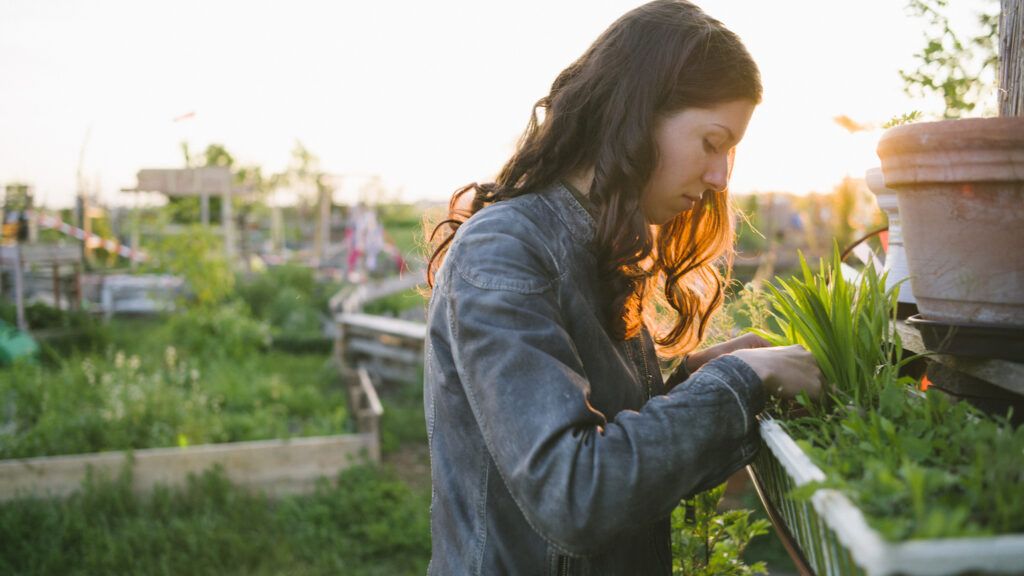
(960, 68)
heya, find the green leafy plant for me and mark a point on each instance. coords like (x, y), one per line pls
(228, 330)
(917, 465)
(197, 255)
(122, 400)
(706, 542)
(847, 327)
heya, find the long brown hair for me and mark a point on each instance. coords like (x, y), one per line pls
(601, 114)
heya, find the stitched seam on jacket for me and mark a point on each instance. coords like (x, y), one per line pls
(488, 441)
(491, 282)
(743, 409)
(481, 535)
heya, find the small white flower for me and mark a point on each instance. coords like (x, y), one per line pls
(170, 356)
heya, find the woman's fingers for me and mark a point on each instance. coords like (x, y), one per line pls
(785, 371)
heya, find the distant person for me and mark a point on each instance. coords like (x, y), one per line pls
(556, 445)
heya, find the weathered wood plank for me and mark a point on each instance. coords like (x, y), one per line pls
(383, 325)
(358, 346)
(1002, 373)
(276, 467)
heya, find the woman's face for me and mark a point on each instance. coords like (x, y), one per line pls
(695, 152)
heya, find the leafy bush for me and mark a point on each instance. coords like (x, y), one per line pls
(198, 256)
(227, 331)
(290, 300)
(260, 290)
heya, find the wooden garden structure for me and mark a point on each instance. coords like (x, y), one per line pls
(184, 182)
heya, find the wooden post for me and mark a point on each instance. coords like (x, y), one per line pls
(228, 225)
(19, 289)
(136, 233)
(77, 302)
(1011, 58)
(56, 285)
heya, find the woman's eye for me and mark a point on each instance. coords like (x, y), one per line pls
(709, 147)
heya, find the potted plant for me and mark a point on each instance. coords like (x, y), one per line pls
(960, 187)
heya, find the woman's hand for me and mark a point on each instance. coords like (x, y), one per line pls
(749, 340)
(785, 371)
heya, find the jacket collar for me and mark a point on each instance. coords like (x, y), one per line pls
(574, 210)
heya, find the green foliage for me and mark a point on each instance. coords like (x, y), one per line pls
(847, 328)
(403, 420)
(907, 118)
(706, 542)
(122, 401)
(363, 523)
(403, 225)
(70, 330)
(395, 304)
(197, 256)
(960, 70)
(228, 331)
(749, 226)
(289, 299)
(917, 465)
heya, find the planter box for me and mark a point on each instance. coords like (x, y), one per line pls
(274, 467)
(836, 539)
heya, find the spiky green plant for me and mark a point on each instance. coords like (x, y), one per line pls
(847, 326)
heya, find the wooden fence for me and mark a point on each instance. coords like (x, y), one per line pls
(372, 350)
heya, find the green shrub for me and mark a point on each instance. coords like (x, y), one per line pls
(228, 330)
(259, 291)
(198, 256)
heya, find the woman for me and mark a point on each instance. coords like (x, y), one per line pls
(556, 445)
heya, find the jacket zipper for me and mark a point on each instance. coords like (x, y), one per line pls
(643, 369)
(563, 565)
(647, 371)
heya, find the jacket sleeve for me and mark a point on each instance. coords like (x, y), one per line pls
(578, 478)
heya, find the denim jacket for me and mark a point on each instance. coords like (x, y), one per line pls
(556, 448)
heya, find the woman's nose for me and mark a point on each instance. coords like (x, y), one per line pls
(716, 176)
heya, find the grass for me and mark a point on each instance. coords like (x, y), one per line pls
(364, 522)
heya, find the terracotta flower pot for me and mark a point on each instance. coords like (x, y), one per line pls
(960, 186)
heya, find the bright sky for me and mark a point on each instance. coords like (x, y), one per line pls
(429, 95)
